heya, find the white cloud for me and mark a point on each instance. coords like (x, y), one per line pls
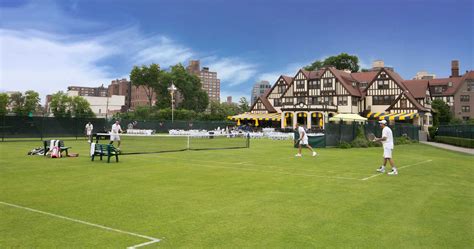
(288, 70)
(163, 51)
(232, 71)
(45, 48)
(47, 64)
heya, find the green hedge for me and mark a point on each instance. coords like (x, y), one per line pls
(463, 142)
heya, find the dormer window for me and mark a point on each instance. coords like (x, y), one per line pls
(300, 84)
(450, 84)
(382, 84)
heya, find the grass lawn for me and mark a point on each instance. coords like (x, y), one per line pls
(262, 197)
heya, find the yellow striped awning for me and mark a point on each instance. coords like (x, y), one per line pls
(399, 116)
(256, 116)
(375, 115)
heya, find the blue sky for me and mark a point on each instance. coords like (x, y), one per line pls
(49, 45)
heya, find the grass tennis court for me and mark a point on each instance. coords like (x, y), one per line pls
(260, 197)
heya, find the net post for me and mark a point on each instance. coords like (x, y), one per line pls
(248, 140)
(187, 147)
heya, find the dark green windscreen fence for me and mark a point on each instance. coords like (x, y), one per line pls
(23, 127)
(463, 131)
(339, 132)
(18, 128)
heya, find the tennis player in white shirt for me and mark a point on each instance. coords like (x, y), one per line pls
(89, 127)
(114, 133)
(387, 142)
(303, 140)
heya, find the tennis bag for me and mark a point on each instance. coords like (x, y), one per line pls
(36, 151)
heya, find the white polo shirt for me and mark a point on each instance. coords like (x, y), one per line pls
(116, 129)
(387, 133)
(89, 128)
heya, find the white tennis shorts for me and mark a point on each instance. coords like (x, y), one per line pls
(114, 137)
(304, 141)
(387, 153)
(89, 133)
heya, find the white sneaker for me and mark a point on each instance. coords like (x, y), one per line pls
(298, 155)
(381, 170)
(393, 173)
(314, 153)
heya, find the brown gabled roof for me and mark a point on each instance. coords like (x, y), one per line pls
(364, 76)
(451, 90)
(417, 87)
(267, 105)
(267, 92)
(316, 74)
(397, 78)
(288, 80)
(346, 80)
(469, 75)
(412, 99)
(305, 73)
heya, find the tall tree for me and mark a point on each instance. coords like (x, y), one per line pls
(80, 107)
(32, 100)
(17, 100)
(60, 105)
(148, 78)
(442, 112)
(341, 62)
(3, 104)
(189, 88)
(244, 104)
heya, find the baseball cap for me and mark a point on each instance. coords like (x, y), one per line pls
(383, 122)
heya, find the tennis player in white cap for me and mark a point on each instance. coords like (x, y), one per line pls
(387, 142)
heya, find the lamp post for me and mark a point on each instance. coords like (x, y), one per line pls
(172, 89)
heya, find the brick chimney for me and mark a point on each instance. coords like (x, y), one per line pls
(378, 64)
(454, 68)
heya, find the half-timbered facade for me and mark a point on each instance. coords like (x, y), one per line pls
(312, 97)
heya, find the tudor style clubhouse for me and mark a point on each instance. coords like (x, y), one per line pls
(312, 97)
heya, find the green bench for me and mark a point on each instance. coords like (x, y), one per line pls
(62, 147)
(107, 150)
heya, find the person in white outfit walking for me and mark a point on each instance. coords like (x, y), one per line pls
(387, 142)
(303, 140)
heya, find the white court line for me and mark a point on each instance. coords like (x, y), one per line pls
(152, 240)
(276, 172)
(252, 164)
(406, 166)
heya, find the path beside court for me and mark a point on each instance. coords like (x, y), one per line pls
(450, 147)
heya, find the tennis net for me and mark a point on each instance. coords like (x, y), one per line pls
(144, 144)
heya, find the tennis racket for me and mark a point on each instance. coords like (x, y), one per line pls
(370, 137)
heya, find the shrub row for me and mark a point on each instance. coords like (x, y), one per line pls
(458, 141)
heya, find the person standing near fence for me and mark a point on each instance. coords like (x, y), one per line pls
(88, 130)
(387, 142)
(114, 133)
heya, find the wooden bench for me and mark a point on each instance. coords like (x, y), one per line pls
(107, 150)
(62, 148)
